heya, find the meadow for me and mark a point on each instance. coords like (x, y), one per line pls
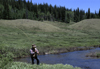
(17, 36)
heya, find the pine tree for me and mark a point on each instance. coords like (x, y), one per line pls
(67, 19)
(55, 12)
(59, 14)
(28, 6)
(51, 9)
(63, 14)
(93, 15)
(35, 10)
(24, 1)
(1, 11)
(88, 14)
(46, 8)
(76, 15)
(1, 1)
(19, 4)
(82, 15)
(6, 12)
(99, 13)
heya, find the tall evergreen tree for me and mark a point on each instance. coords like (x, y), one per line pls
(93, 15)
(19, 4)
(46, 8)
(51, 13)
(88, 14)
(67, 18)
(55, 12)
(1, 11)
(51, 9)
(35, 10)
(76, 15)
(29, 5)
(82, 15)
(99, 13)
(1, 1)
(24, 1)
(64, 10)
(6, 12)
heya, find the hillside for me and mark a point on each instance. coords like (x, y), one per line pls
(33, 25)
(88, 25)
(29, 24)
(46, 26)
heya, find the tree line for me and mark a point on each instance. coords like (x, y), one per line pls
(22, 9)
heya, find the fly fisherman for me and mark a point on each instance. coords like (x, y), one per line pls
(34, 51)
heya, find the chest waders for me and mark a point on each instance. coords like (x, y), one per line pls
(34, 56)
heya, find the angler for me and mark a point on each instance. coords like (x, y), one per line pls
(33, 52)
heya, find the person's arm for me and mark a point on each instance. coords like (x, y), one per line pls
(31, 51)
(36, 50)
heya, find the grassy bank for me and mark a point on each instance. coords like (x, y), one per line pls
(17, 36)
(20, 65)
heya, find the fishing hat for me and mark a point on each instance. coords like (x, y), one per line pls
(33, 45)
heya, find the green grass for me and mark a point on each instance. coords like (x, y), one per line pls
(17, 36)
(20, 34)
(87, 25)
(20, 65)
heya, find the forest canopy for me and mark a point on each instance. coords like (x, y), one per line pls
(22, 9)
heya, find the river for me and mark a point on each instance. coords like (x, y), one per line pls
(76, 58)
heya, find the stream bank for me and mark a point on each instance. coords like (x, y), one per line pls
(70, 49)
(75, 58)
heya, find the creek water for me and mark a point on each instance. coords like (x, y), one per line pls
(76, 59)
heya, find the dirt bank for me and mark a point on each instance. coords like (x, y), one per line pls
(63, 50)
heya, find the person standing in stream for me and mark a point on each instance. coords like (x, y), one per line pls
(33, 52)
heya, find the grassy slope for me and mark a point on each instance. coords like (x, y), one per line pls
(16, 36)
(89, 27)
(88, 24)
(21, 33)
(29, 24)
